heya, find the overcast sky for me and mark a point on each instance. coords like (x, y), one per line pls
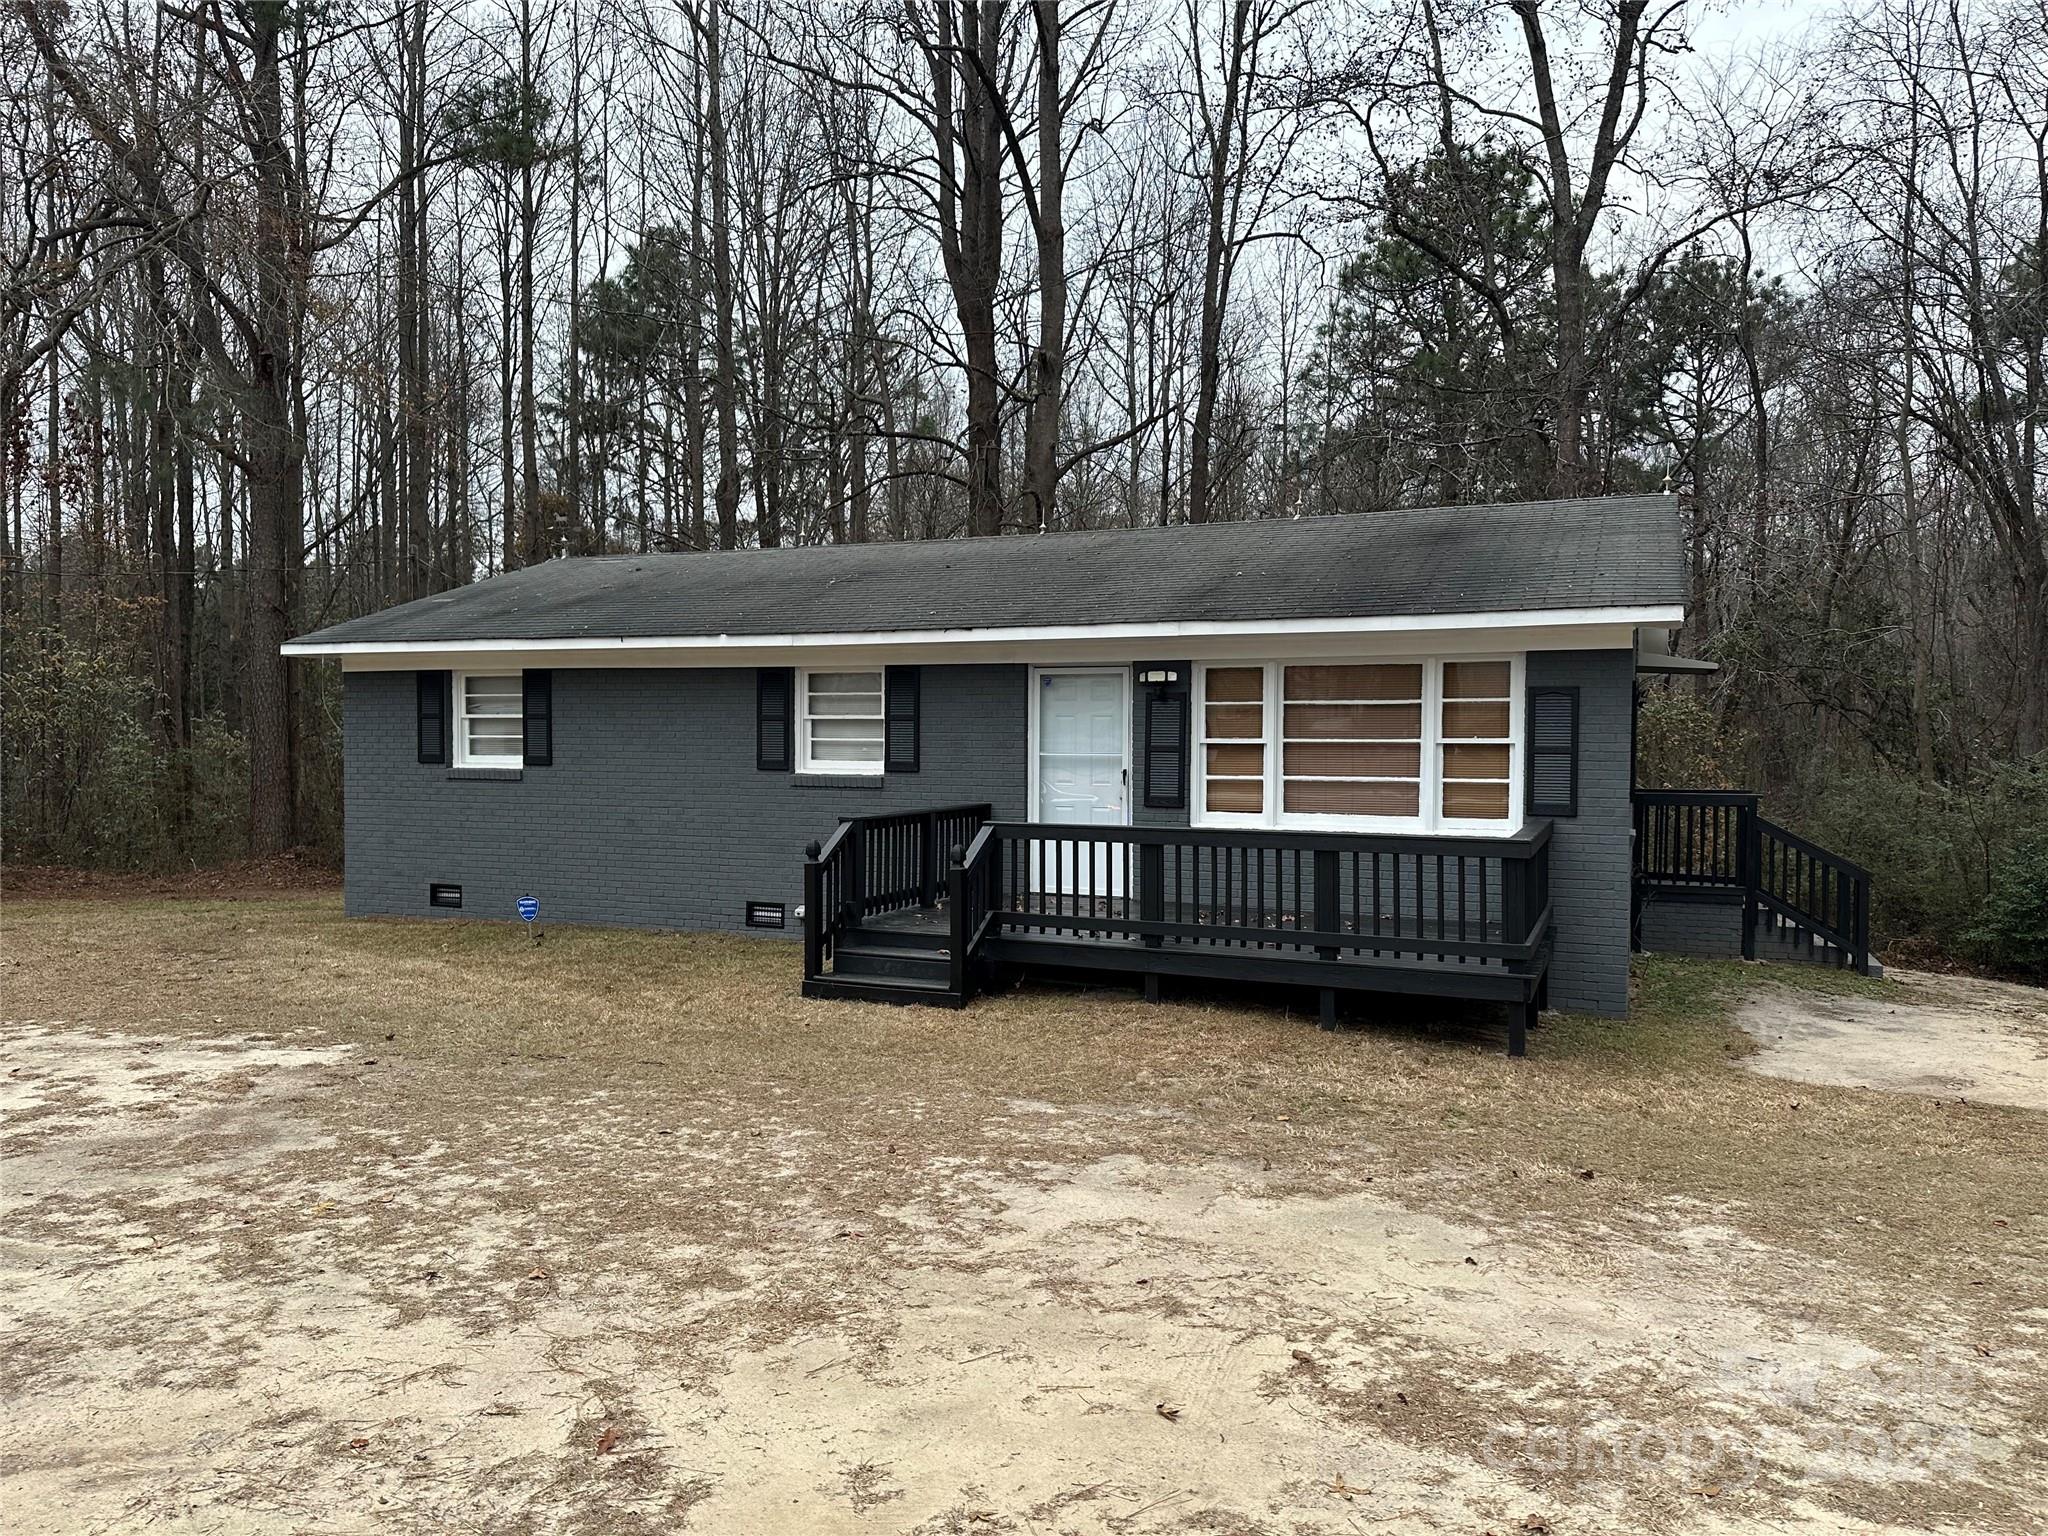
(1735, 25)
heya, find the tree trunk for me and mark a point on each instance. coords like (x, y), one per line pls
(539, 546)
(273, 452)
(509, 521)
(413, 468)
(725, 386)
(970, 197)
(1215, 271)
(1049, 360)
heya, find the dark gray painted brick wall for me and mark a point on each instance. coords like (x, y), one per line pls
(653, 814)
(1711, 930)
(1589, 853)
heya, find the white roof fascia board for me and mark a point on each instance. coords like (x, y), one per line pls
(1549, 629)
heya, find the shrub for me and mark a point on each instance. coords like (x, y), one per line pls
(1681, 744)
(2011, 931)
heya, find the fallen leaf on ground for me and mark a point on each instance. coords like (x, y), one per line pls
(1303, 1356)
(537, 1273)
(1168, 1411)
(607, 1440)
(358, 1443)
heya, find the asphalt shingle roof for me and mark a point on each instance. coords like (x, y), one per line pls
(1617, 551)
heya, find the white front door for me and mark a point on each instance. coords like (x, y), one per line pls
(1082, 776)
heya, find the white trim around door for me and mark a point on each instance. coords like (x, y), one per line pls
(1103, 871)
(1033, 731)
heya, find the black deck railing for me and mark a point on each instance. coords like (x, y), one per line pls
(1706, 840)
(1695, 837)
(1327, 896)
(1820, 894)
(1454, 916)
(873, 865)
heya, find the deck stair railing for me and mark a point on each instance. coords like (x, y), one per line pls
(872, 865)
(1708, 839)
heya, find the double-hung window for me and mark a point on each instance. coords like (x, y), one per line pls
(1234, 743)
(839, 725)
(489, 720)
(1398, 746)
(1477, 741)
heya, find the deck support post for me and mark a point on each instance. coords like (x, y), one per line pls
(1152, 899)
(1520, 1017)
(928, 861)
(816, 919)
(1328, 1002)
(1327, 916)
(854, 894)
(1151, 986)
(957, 930)
(1749, 855)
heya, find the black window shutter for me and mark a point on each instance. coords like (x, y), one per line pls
(1553, 752)
(902, 718)
(1166, 746)
(774, 729)
(431, 692)
(537, 690)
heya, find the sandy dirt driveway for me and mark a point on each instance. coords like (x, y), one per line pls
(264, 1274)
(1952, 1036)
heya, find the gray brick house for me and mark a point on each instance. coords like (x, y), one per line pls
(1363, 753)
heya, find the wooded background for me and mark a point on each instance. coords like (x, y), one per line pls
(309, 308)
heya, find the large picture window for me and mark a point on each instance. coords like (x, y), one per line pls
(1379, 745)
(1353, 740)
(839, 722)
(489, 720)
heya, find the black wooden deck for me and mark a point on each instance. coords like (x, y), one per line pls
(1336, 913)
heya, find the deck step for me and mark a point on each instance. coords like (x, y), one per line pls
(890, 960)
(885, 935)
(878, 989)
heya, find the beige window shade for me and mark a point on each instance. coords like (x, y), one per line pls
(1477, 754)
(1234, 740)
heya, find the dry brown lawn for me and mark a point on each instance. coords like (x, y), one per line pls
(332, 1226)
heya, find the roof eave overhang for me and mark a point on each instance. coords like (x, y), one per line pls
(1537, 629)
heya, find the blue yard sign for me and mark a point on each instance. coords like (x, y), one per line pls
(529, 908)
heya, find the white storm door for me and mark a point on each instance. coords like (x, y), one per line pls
(1082, 776)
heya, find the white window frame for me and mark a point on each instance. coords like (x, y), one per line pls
(1429, 818)
(1199, 769)
(1433, 770)
(459, 723)
(805, 762)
